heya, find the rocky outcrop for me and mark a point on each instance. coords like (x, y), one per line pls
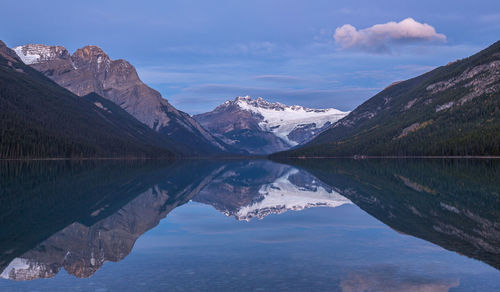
(90, 69)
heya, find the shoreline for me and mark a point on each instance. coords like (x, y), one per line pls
(392, 157)
(248, 158)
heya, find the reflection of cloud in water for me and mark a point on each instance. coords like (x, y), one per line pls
(389, 279)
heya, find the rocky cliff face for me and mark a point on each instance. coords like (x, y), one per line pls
(90, 69)
(262, 127)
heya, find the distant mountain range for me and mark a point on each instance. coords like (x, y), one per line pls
(453, 110)
(58, 105)
(262, 127)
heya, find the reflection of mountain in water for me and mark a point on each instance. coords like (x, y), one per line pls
(452, 203)
(108, 229)
(256, 189)
(80, 215)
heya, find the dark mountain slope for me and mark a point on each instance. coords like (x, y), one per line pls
(452, 110)
(40, 119)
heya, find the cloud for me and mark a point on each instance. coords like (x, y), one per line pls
(278, 78)
(379, 37)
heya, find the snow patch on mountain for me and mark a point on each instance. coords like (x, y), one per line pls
(281, 119)
(35, 53)
(282, 195)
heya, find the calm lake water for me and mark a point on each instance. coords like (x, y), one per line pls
(257, 225)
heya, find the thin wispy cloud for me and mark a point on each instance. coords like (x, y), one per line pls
(278, 78)
(380, 37)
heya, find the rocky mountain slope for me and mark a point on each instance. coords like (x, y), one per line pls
(261, 127)
(452, 110)
(40, 119)
(90, 69)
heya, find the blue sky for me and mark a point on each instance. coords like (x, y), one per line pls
(199, 54)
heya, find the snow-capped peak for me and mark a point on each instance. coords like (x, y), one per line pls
(36, 53)
(281, 119)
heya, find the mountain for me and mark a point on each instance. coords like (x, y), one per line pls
(40, 119)
(90, 69)
(256, 189)
(261, 127)
(452, 110)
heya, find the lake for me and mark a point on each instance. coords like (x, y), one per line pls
(250, 225)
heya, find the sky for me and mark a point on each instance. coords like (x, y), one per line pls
(314, 53)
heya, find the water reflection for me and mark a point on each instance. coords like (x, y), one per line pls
(255, 189)
(77, 216)
(452, 203)
(80, 215)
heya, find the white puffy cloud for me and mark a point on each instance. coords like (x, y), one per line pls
(379, 37)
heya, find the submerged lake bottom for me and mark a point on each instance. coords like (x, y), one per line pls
(250, 225)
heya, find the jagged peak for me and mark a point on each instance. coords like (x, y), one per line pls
(259, 102)
(91, 54)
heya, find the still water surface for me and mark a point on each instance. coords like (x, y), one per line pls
(334, 225)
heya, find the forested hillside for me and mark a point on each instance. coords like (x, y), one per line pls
(453, 110)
